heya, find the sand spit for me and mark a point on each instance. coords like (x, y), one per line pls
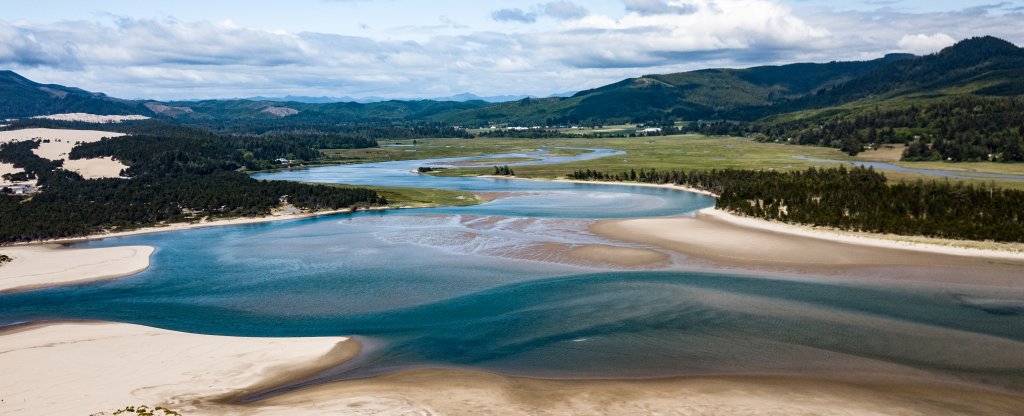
(40, 266)
(451, 392)
(45, 373)
(86, 368)
(725, 240)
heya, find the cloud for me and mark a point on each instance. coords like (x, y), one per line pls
(558, 10)
(653, 7)
(564, 10)
(514, 15)
(925, 44)
(573, 49)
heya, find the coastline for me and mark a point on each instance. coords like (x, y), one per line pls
(207, 374)
(906, 242)
(40, 266)
(182, 226)
(131, 365)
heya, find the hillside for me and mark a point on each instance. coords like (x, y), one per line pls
(682, 96)
(25, 98)
(984, 67)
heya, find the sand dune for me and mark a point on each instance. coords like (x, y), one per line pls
(92, 118)
(60, 144)
(40, 266)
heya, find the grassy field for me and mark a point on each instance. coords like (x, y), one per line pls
(687, 152)
(423, 198)
(440, 148)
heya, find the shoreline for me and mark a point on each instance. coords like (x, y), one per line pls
(906, 242)
(208, 374)
(41, 266)
(183, 226)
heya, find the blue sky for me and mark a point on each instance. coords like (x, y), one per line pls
(404, 48)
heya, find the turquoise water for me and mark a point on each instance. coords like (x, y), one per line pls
(451, 287)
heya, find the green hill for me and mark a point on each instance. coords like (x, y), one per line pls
(22, 97)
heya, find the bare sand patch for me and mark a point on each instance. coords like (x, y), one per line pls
(92, 118)
(50, 265)
(724, 240)
(45, 373)
(59, 145)
(85, 368)
(7, 168)
(98, 168)
(453, 392)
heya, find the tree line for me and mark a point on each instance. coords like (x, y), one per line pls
(857, 199)
(958, 129)
(183, 176)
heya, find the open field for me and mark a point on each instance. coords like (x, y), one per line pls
(423, 197)
(441, 148)
(687, 152)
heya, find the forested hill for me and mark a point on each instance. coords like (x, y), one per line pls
(21, 97)
(681, 96)
(977, 67)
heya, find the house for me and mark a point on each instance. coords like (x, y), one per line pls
(651, 130)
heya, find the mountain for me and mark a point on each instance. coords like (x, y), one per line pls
(473, 97)
(982, 67)
(463, 97)
(22, 97)
(685, 95)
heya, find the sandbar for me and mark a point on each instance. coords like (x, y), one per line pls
(38, 266)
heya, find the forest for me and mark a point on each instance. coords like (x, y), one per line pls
(182, 175)
(957, 129)
(857, 199)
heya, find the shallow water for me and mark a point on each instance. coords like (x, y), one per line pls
(449, 287)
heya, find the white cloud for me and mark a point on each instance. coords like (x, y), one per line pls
(924, 44)
(569, 47)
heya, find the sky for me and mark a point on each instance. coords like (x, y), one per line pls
(190, 49)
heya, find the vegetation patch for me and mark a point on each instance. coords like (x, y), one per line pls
(857, 199)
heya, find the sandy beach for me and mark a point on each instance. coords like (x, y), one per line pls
(86, 368)
(203, 375)
(721, 240)
(40, 266)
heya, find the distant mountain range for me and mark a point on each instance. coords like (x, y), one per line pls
(463, 97)
(983, 66)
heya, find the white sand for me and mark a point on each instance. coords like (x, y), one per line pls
(85, 368)
(92, 118)
(60, 145)
(98, 168)
(6, 168)
(40, 266)
(921, 244)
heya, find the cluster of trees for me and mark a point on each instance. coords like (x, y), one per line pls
(962, 128)
(21, 155)
(857, 199)
(182, 176)
(503, 171)
(75, 207)
(5, 259)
